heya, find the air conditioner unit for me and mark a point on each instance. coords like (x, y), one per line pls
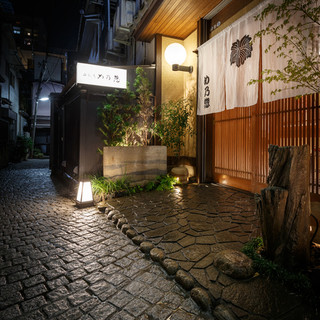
(123, 20)
(98, 2)
(111, 45)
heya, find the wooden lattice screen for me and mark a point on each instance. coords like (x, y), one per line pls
(242, 137)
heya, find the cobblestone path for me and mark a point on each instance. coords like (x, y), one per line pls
(59, 262)
(193, 223)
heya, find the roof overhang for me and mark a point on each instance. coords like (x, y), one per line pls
(172, 18)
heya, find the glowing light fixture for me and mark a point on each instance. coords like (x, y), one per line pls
(84, 196)
(175, 54)
(44, 99)
(224, 179)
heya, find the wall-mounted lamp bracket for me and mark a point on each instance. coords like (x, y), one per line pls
(177, 67)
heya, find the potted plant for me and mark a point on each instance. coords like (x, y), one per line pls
(127, 117)
(118, 117)
(22, 148)
(146, 108)
(174, 125)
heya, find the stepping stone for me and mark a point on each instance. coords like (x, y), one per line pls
(234, 263)
(121, 222)
(146, 246)
(170, 266)
(130, 233)
(221, 312)
(181, 173)
(138, 239)
(125, 227)
(101, 206)
(184, 279)
(201, 297)
(116, 217)
(157, 254)
(196, 252)
(112, 213)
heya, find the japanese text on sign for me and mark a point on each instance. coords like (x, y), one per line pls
(206, 102)
(101, 76)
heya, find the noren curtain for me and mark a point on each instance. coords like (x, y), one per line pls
(211, 90)
(229, 60)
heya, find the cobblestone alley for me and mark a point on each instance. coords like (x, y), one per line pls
(58, 262)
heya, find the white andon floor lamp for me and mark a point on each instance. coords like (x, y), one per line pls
(84, 195)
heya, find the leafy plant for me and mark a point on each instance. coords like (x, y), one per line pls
(162, 183)
(175, 123)
(118, 116)
(127, 115)
(296, 281)
(145, 104)
(37, 153)
(296, 40)
(22, 147)
(253, 247)
(104, 187)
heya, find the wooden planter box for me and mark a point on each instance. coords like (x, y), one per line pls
(139, 163)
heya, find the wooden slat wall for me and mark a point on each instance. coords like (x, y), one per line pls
(232, 141)
(243, 135)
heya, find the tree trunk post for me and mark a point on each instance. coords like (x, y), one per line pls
(284, 206)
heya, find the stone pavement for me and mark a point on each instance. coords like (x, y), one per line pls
(59, 262)
(193, 223)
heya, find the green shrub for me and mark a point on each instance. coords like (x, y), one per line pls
(22, 147)
(175, 123)
(118, 117)
(104, 187)
(162, 183)
(37, 153)
(127, 116)
(145, 103)
(296, 281)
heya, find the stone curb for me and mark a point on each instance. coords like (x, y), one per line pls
(186, 281)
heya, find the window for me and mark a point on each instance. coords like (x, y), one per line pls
(16, 30)
(7, 69)
(12, 80)
(30, 64)
(27, 41)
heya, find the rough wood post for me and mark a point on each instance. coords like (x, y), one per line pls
(273, 204)
(284, 206)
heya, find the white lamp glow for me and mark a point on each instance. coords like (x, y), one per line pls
(44, 99)
(175, 53)
(84, 196)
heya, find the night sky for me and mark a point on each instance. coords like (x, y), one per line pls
(61, 18)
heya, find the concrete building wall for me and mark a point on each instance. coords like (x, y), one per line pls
(172, 81)
(46, 89)
(9, 65)
(178, 84)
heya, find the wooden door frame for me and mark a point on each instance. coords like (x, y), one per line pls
(205, 137)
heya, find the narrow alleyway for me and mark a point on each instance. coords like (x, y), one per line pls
(59, 262)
